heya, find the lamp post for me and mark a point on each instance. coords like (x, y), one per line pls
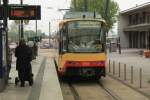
(85, 5)
(36, 27)
(106, 8)
(49, 28)
(94, 1)
(49, 33)
(5, 21)
(75, 4)
(21, 26)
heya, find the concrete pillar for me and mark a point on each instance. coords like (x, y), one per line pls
(141, 39)
(138, 40)
(146, 39)
(131, 39)
(149, 39)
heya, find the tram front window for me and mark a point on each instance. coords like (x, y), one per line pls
(84, 36)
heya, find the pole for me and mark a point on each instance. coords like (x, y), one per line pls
(49, 32)
(113, 67)
(5, 21)
(106, 9)
(75, 4)
(109, 66)
(19, 30)
(119, 45)
(119, 69)
(132, 74)
(85, 5)
(36, 27)
(140, 77)
(94, 8)
(125, 72)
(22, 35)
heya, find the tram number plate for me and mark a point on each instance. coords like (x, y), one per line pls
(87, 72)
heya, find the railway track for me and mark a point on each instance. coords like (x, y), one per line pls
(74, 92)
(109, 92)
(87, 91)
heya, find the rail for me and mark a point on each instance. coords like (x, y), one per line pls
(109, 92)
(74, 91)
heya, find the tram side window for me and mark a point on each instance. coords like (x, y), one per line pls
(64, 44)
(63, 41)
(60, 42)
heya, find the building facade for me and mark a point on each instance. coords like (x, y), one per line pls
(134, 27)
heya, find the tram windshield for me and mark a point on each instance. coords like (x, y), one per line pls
(84, 36)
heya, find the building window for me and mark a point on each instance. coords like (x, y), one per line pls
(143, 17)
(136, 18)
(130, 19)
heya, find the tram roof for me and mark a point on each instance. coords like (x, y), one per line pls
(79, 19)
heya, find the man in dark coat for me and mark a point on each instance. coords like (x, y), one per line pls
(24, 56)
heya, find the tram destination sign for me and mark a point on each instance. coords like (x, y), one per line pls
(24, 12)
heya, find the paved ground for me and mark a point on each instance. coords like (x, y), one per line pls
(122, 91)
(133, 58)
(46, 85)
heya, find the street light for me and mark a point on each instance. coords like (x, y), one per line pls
(49, 32)
(36, 27)
(85, 5)
(49, 27)
(94, 1)
(21, 26)
(106, 8)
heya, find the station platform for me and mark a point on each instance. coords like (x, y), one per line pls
(46, 85)
(134, 58)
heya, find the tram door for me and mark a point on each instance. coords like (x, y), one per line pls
(3, 62)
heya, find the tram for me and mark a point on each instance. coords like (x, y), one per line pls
(82, 48)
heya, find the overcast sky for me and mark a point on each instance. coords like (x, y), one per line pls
(51, 14)
(125, 4)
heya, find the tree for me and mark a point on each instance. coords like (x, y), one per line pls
(99, 6)
(13, 34)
